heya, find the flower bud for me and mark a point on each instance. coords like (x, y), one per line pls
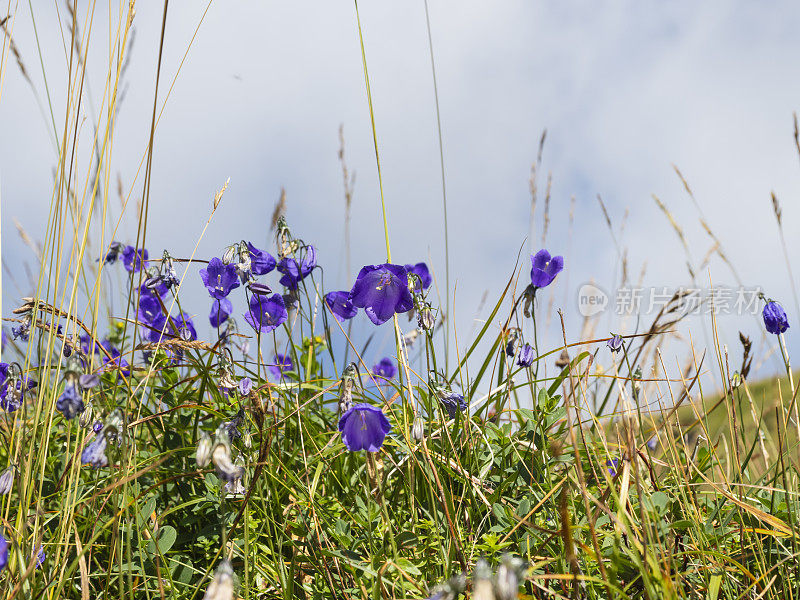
(230, 254)
(221, 587)
(86, 417)
(425, 319)
(259, 289)
(7, 480)
(203, 452)
(418, 429)
(221, 456)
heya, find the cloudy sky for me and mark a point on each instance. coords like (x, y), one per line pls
(624, 89)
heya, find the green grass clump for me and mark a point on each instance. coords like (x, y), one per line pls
(142, 464)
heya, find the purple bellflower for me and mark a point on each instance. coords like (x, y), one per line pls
(615, 343)
(149, 309)
(283, 363)
(133, 258)
(184, 328)
(294, 272)
(70, 402)
(114, 249)
(775, 319)
(266, 312)
(382, 291)
(220, 311)
(420, 270)
(11, 397)
(545, 268)
(385, 368)
(340, 305)
(525, 358)
(3, 552)
(262, 261)
(453, 402)
(94, 453)
(364, 427)
(219, 278)
(21, 331)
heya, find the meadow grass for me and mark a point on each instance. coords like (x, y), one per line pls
(150, 462)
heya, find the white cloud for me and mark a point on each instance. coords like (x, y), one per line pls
(624, 89)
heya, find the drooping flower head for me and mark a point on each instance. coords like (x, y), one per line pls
(526, 355)
(133, 258)
(221, 309)
(612, 466)
(94, 453)
(452, 402)
(114, 248)
(266, 312)
(293, 271)
(364, 427)
(385, 368)
(13, 390)
(511, 345)
(245, 386)
(382, 291)
(282, 363)
(232, 426)
(70, 402)
(40, 557)
(775, 319)
(545, 268)
(262, 262)
(615, 343)
(221, 456)
(219, 278)
(202, 453)
(340, 305)
(21, 331)
(423, 280)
